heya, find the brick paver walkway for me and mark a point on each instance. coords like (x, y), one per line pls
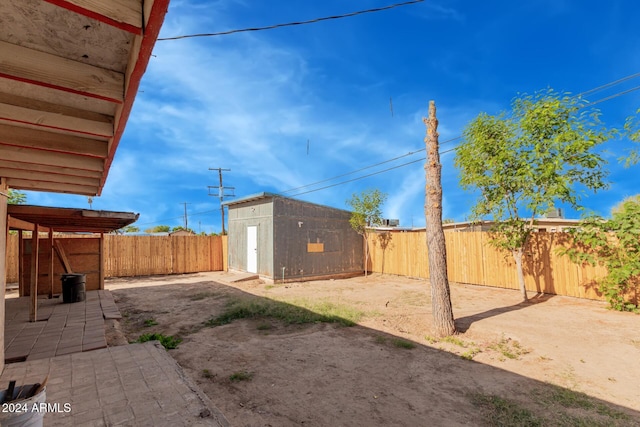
(131, 385)
(60, 329)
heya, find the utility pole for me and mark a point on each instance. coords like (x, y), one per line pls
(186, 221)
(221, 193)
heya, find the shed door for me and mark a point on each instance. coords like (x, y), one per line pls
(252, 249)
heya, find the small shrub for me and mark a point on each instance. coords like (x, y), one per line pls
(150, 322)
(615, 244)
(169, 342)
(294, 312)
(503, 412)
(567, 398)
(380, 339)
(509, 348)
(470, 354)
(201, 295)
(400, 343)
(430, 339)
(456, 341)
(241, 376)
(207, 374)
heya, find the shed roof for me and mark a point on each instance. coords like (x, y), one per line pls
(266, 195)
(252, 197)
(70, 73)
(68, 219)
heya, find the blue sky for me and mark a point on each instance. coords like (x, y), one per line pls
(249, 102)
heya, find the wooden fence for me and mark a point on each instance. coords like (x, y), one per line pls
(471, 259)
(148, 255)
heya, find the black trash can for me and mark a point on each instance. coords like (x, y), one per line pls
(73, 287)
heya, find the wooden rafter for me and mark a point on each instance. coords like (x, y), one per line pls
(50, 177)
(53, 187)
(54, 122)
(123, 14)
(70, 72)
(38, 139)
(44, 69)
(142, 48)
(8, 168)
(41, 157)
(18, 224)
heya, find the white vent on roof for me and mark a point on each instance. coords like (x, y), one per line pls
(554, 213)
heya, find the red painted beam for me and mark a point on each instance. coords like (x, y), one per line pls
(51, 150)
(69, 173)
(151, 32)
(40, 125)
(98, 17)
(61, 88)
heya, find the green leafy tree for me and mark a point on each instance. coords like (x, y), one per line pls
(632, 131)
(129, 229)
(615, 244)
(158, 229)
(366, 212)
(544, 152)
(17, 197)
(181, 228)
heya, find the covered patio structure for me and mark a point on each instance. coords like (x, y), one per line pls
(71, 70)
(58, 328)
(42, 263)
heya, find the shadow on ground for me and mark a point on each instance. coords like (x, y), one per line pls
(464, 323)
(268, 362)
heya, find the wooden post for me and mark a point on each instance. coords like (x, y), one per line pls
(51, 249)
(101, 269)
(436, 249)
(22, 287)
(35, 248)
(4, 229)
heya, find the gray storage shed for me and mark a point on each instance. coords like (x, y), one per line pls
(282, 238)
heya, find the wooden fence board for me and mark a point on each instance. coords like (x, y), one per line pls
(471, 259)
(127, 256)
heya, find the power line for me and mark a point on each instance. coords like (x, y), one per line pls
(418, 151)
(373, 173)
(176, 217)
(291, 24)
(364, 168)
(360, 177)
(451, 149)
(607, 85)
(613, 96)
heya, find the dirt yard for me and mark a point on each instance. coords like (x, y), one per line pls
(264, 361)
